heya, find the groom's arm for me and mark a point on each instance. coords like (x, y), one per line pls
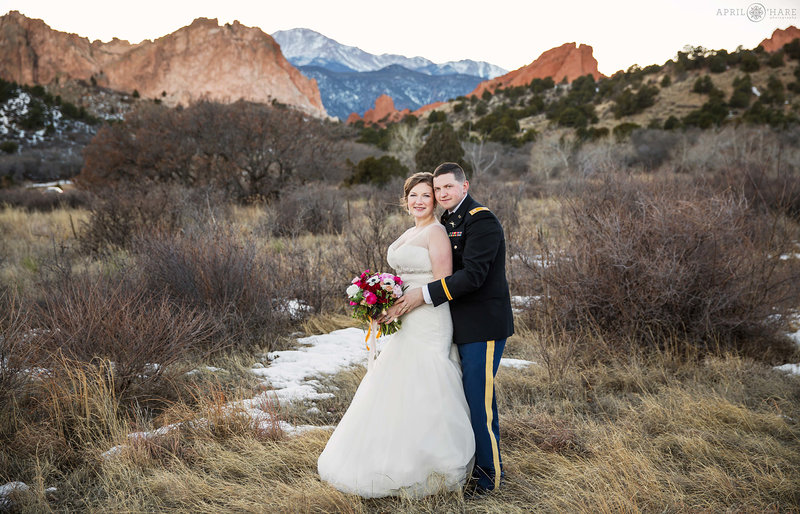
(482, 241)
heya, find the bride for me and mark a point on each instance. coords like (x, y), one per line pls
(407, 430)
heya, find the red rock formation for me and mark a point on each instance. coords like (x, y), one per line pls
(780, 37)
(567, 60)
(382, 114)
(385, 112)
(203, 60)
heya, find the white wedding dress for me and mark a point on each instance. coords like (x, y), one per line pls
(407, 430)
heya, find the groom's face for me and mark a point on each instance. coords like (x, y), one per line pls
(449, 192)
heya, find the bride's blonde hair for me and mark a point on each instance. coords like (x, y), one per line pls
(413, 180)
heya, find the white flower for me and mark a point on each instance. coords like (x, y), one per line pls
(398, 291)
(373, 280)
(388, 282)
(353, 290)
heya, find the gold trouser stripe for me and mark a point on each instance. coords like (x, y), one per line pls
(488, 403)
(446, 291)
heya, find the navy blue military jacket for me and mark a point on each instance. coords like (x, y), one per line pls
(477, 290)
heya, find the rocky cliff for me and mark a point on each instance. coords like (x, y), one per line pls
(780, 37)
(568, 60)
(385, 112)
(203, 60)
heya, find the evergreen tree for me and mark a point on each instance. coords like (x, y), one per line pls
(441, 146)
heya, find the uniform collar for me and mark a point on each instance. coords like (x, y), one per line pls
(459, 205)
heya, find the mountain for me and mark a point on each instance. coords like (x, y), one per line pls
(203, 60)
(305, 47)
(566, 61)
(345, 92)
(780, 37)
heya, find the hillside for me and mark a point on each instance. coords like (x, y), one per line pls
(699, 88)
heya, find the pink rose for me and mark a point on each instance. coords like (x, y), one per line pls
(370, 298)
(398, 291)
(353, 303)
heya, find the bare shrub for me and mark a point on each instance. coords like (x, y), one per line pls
(371, 231)
(770, 192)
(594, 158)
(38, 200)
(16, 354)
(652, 147)
(313, 208)
(243, 148)
(738, 147)
(503, 200)
(121, 213)
(92, 319)
(646, 263)
(550, 155)
(219, 273)
(42, 164)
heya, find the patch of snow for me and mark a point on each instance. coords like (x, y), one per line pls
(515, 363)
(210, 369)
(292, 373)
(794, 369)
(795, 337)
(755, 91)
(10, 487)
(55, 183)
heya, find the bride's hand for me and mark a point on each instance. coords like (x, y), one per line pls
(391, 314)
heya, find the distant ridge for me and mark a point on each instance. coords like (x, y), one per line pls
(305, 47)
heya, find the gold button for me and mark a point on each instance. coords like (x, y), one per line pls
(455, 247)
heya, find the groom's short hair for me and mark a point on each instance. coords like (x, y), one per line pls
(450, 167)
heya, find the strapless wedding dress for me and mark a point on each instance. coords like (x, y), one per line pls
(407, 430)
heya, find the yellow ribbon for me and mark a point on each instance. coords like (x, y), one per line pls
(369, 331)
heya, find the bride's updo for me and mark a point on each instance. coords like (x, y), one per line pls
(417, 178)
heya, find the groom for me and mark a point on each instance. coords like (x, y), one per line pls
(480, 305)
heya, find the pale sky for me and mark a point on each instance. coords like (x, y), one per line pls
(507, 33)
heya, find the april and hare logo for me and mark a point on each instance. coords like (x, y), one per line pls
(757, 11)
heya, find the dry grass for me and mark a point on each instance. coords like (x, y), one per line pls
(654, 435)
(31, 240)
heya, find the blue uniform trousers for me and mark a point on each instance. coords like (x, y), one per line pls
(479, 363)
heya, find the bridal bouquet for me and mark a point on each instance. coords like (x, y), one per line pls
(370, 294)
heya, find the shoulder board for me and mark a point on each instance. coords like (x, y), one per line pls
(477, 209)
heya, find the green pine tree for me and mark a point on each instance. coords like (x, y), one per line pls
(441, 146)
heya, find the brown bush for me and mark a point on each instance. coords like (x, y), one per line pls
(119, 214)
(225, 276)
(38, 200)
(313, 208)
(16, 354)
(243, 148)
(647, 264)
(94, 319)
